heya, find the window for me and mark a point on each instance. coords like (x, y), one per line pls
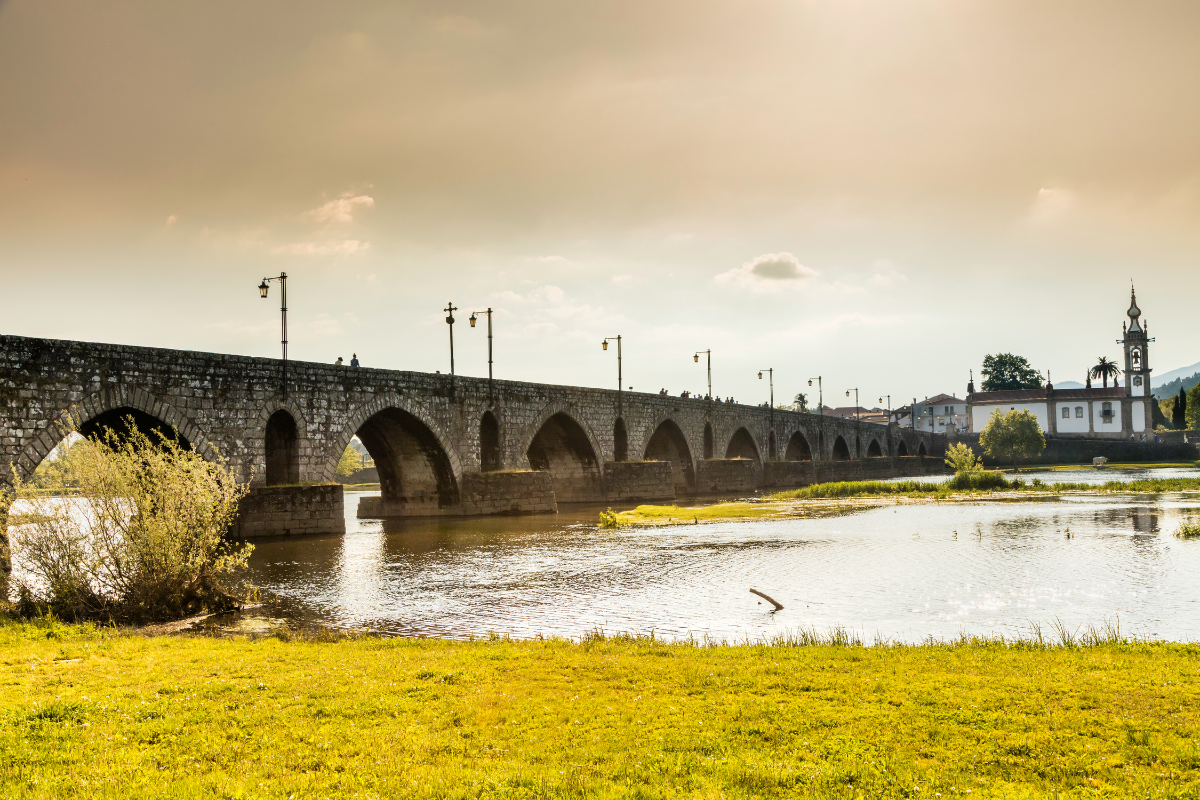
(1106, 412)
(1066, 413)
(1078, 412)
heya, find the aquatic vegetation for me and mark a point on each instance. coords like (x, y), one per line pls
(1190, 529)
(92, 713)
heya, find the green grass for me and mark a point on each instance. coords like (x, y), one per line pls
(85, 713)
(1190, 529)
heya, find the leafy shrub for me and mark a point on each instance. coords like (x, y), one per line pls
(979, 481)
(144, 539)
(608, 519)
(961, 459)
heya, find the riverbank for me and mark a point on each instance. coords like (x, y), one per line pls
(831, 499)
(115, 715)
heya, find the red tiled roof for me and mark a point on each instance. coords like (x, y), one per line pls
(1034, 395)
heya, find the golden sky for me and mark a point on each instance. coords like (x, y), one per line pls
(878, 192)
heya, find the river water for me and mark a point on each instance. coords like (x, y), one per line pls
(900, 572)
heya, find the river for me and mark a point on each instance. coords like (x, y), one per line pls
(901, 573)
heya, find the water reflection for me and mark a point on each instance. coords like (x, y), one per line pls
(904, 572)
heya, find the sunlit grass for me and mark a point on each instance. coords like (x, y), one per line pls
(87, 713)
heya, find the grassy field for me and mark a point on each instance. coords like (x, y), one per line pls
(92, 714)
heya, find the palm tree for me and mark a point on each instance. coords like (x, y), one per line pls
(1106, 369)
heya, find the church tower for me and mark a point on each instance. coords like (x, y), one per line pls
(1137, 355)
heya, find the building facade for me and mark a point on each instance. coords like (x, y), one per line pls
(942, 413)
(1117, 412)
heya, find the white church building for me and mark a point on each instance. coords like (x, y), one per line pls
(1118, 412)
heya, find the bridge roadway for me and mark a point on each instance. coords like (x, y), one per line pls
(441, 445)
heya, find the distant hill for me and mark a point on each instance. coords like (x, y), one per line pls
(1169, 383)
(1068, 385)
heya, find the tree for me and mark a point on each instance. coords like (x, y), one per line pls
(1012, 435)
(1191, 414)
(1106, 369)
(145, 539)
(1007, 371)
(349, 463)
(1179, 412)
(799, 404)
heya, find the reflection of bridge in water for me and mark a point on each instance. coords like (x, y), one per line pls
(441, 445)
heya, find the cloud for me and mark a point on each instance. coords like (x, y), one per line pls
(171, 220)
(626, 279)
(1051, 204)
(888, 278)
(345, 247)
(767, 272)
(341, 209)
(324, 326)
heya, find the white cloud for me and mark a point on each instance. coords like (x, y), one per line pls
(626, 279)
(325, 325)
(171, 220)
(888, 278)
(767, 273)
(341, 209)
(1051, 204)
(345, 247)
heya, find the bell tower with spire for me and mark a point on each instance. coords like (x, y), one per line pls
(1137, 354)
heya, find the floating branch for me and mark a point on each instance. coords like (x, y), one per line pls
(771, 600)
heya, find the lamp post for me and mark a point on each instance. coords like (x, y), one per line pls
(450, 309)
(820, 395)
(770, 380)
(855, 401)
(262, 292)
(696, 358)
(491, 396)
(604, 346)
(889, 407)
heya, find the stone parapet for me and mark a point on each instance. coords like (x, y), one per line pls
(792, 474)
(632, 481)
(291, 511)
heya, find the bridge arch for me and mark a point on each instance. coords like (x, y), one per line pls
(668, 443)
(798, 449)
(901, 448)
(620, 441)
(563, 448)
(841, 451)
(741, 445)
(874, 450)
(489, 443)
(281, 448)
(419, 471)
(921, 449)
(107, 409)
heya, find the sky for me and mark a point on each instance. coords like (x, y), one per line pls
(876, 192)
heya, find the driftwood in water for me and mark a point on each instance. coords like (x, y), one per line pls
(771, 600)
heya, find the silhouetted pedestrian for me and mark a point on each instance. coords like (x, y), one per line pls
(354, 359)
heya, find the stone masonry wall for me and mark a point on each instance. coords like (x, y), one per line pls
(508, 493)
(291, 510)
(630, 481)
(1082, 451)
(727, 475)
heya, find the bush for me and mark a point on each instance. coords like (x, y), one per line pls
(1188, 530)
(981, 481)
(144, 540)
(608, 519)
(961, 459)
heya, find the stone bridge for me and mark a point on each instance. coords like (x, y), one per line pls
(442, 445)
